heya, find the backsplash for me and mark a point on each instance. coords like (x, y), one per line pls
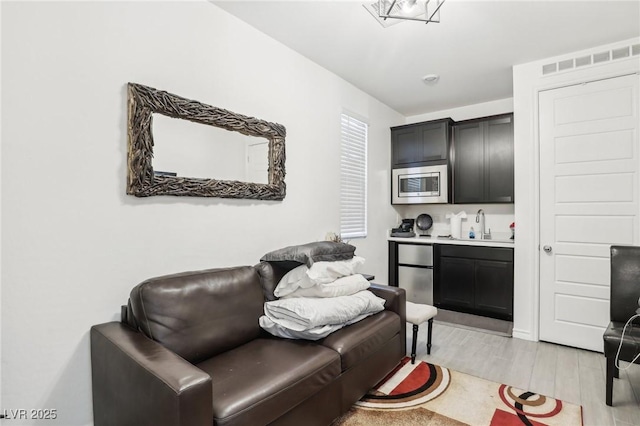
(498, 217)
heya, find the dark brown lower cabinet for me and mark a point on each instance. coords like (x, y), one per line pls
(472, 279)
(494, 287)
(459, 276)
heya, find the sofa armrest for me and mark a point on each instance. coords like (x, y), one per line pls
(395, 301)
(137, 381)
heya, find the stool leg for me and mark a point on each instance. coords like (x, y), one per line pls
(413, 344)
(429, 336)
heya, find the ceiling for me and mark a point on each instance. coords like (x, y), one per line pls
(472, 49)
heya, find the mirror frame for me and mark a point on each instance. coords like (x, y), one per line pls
(142, 182)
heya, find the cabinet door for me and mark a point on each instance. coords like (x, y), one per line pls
(456, 282)
(420, 144)
(468, 169)
(483, 161)
(499, 160)
(433, 139)
(405, 146)
(494, 287)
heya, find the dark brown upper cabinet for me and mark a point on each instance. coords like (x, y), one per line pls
(483, 160)
(421, 144)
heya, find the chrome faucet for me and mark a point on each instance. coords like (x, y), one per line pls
(480, 219)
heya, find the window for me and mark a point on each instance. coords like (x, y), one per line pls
(353, 178)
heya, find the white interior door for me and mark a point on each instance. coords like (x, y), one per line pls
(257, 167)
(588, 201)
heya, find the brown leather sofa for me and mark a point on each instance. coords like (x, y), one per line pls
(189, 352)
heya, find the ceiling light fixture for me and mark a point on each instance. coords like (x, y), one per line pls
(389, 12)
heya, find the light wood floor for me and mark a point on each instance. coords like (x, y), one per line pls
(573, 375)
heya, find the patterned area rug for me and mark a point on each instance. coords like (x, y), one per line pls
(426, 394)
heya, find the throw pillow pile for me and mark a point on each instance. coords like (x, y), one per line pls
(319, 296)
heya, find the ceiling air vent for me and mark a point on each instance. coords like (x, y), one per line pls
(565, 65)
(620, 53)
(590, 60)
(585, 60)
(550, 68)
(601, 57)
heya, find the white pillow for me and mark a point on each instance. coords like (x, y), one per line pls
(326, 272)
(292, 281)
(319, 273)
(344, 286)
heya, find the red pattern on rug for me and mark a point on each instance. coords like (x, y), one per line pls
(418, 376)
(393, 372)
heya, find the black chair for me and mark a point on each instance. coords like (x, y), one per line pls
(625, 291)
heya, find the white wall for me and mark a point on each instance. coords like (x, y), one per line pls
(73, 244)
(528, 81)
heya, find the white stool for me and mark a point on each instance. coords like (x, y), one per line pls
(417, 314)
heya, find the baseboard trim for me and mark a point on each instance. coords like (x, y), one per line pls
(523, 334)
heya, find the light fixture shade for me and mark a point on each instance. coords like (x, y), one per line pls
(390, 12)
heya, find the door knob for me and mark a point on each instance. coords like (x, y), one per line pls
(547, 249)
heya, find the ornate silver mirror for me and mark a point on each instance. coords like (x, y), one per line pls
(258, 142)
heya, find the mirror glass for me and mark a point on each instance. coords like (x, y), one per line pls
(187, 149)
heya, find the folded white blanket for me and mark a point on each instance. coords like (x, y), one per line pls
(304, 313)
(311, 334)
(344, 286)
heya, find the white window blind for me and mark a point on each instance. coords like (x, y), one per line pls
(353, 178)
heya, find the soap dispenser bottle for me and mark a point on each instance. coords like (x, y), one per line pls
(472, 233)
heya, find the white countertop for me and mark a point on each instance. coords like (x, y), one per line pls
(461, 241)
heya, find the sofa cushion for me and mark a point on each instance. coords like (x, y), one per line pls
(260, 381)
(358, 341)
(200, 314)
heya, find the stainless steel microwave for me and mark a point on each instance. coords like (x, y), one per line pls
(420, 185)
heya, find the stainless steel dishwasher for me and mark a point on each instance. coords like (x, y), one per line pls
(415, 272)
